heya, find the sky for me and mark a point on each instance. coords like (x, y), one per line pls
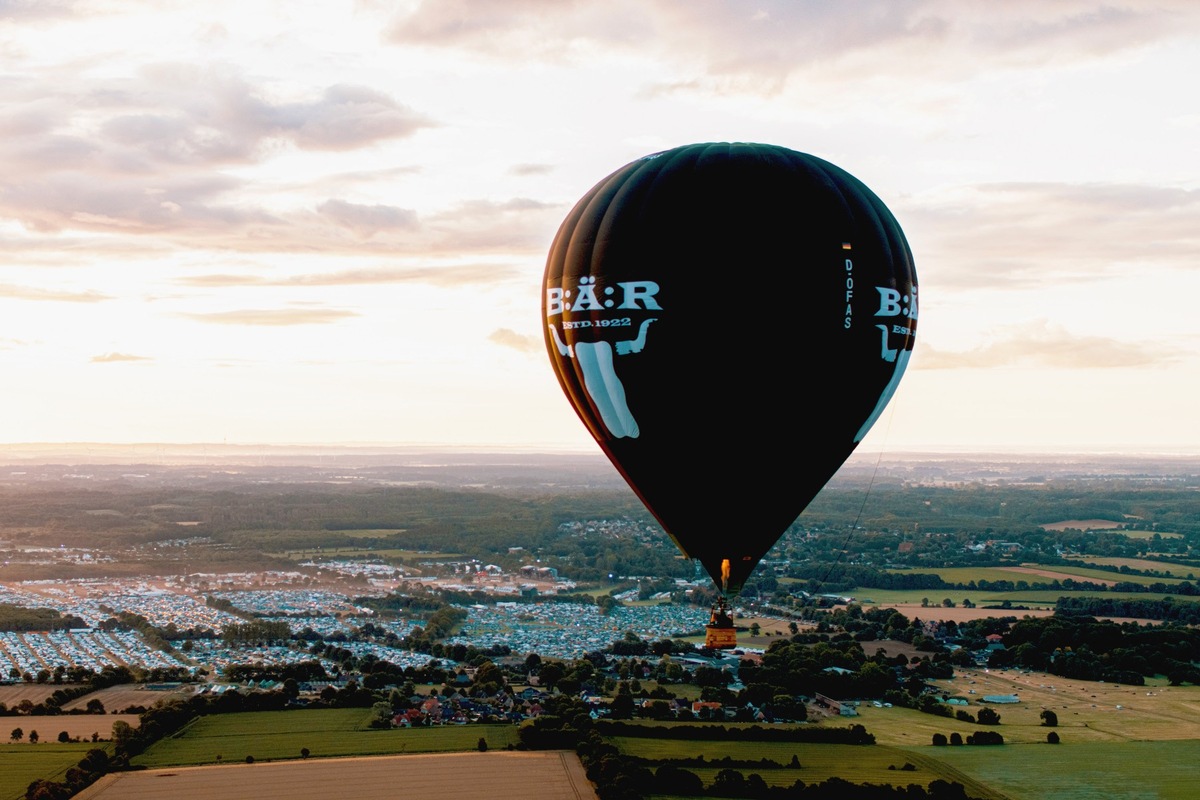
(326, 222)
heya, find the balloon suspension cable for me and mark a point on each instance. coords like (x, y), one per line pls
(870, 485)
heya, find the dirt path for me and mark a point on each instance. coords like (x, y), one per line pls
(547, 775)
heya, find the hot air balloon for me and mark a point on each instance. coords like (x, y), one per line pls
(728, 320)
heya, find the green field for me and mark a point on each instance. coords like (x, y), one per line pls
(964, 575)
(1150, 534)
(270, 735)
(1023, 769)
(818, 762)
(1181, 571)
(1029, 598)
(366, 552)
(1084, 771)
(21, 764)
(1087, 573)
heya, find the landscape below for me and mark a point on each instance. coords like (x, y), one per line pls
(993, 629)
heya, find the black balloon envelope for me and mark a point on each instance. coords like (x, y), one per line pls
(728, 321)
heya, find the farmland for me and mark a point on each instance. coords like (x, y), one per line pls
(116, 698)
(468, 776)
(273, 735)
(1033, 573)
(1119, 742)
(1082, 771)
(1181, 571)
(22, 763)
(77, 726)
(818, 762)
(1087, 711)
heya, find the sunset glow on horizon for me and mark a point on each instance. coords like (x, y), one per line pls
(323, 223)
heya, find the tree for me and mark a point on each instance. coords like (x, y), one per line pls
(956, 738)
(381, 715)
(33, 737)
(1052, 737)
(64, 737)
(552, 672)
(987, 716)
(481, 745)
(1049, 719)
(305, 752)
(621, 706)
(17, 734)
(755, 629)
(939, 739)
(122, 734)
(606, 603)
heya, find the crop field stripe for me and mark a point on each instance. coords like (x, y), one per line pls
(23, 763)
(548, 775)
(1179, 571)
(1081, 771)
(1058, 572)
(324, 732)
(819, 762)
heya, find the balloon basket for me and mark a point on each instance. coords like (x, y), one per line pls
(720, 634)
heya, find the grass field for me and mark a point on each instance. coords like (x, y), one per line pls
(1031, 573)
(1087, 711)
(369, 552)
(1150, 534)
(21, 764)
(1031, 598)
(269, 735)
(1081, 525)
(1181, 571)
(1081, 771)
(818, 762)
(1118, 742)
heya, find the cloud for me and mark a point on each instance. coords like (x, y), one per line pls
(177, 114)
(29, 10)
(509, 338)
(111, 358)
(274, 317)
(221, 280)
(1018, 235)
(347, 117)
(451, 275)
(515, 224)
(366, 221)
(51, 295)
(1043, 345)
(531, 169)
(141, 154)
(773, 39)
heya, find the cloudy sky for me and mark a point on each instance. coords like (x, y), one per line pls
(326, 222)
